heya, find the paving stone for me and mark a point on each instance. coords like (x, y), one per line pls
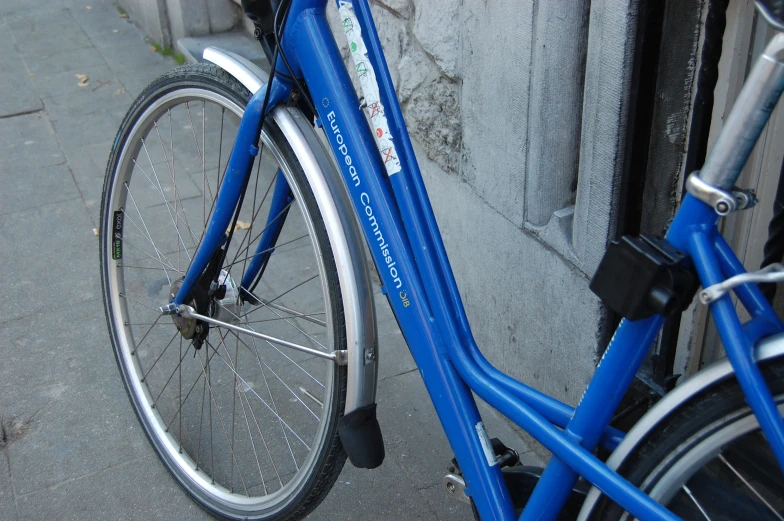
(49, 257)
(88, 168)
(7, 504)
(103, 17)
(382, 494)
(137, 79)
(81, 408)
(126, 57)
(93, 128)
(105, 95)
(28, 7)
(75, 345)
(28, 141)
(51, 84)
(44, 32)
(31, 154)
(18, 96)
(65, 61)
(136, 490)
(28, 188)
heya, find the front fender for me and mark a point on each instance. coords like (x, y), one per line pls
(342, 230)
(769, 348)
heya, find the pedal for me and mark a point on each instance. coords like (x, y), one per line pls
(454, 484)
(505, 456)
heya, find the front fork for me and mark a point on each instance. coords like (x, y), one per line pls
(238, 170)
(282, 197)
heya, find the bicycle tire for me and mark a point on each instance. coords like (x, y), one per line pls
(315, 465)
(708, 459)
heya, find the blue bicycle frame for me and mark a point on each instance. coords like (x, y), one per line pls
(401, 231)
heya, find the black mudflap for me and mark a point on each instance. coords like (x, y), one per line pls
(361, 436)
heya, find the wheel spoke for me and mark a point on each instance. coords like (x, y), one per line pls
(696, 503)
(753, 490)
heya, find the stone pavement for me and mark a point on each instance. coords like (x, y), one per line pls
(70, 447)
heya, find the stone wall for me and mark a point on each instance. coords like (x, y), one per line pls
(166, 21)
(518, 111)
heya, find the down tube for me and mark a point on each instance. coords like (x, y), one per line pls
(355, 150)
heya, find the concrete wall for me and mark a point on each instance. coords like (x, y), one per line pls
(518, 112)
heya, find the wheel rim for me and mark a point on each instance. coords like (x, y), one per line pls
(710, 482)
(258, 428)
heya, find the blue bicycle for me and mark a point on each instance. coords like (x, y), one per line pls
(240, 305)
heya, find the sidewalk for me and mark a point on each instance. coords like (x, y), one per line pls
(70, 447)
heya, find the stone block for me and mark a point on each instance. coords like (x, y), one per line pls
(69, 268)
(495, 93)
(46, 32)
(28, 188)
(433, 116)
(437, 27)
(15, 84)
(224, 15)
(137, 490)
(413, 70)
(401, 8)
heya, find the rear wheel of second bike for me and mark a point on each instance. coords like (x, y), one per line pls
(246, 426)
(709, 460)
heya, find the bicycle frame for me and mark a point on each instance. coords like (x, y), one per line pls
(401, 231)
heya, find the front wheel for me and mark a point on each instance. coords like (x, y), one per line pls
(709, 461)
(248, 428)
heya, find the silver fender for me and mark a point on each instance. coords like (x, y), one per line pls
(767, 349)
(342, 229)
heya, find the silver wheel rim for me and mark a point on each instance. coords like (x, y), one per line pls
(190, 471)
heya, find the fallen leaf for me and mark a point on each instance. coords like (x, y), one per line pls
(31, 74)
(153, 49)
(82, 80)
(124, 15)
(95, 232)
(88, 7)
(119, 92)
(241, 225)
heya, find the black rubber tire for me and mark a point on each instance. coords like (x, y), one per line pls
(331, 458)
(678, 436)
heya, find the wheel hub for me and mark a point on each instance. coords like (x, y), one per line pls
(188, 327)
(221, 304)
